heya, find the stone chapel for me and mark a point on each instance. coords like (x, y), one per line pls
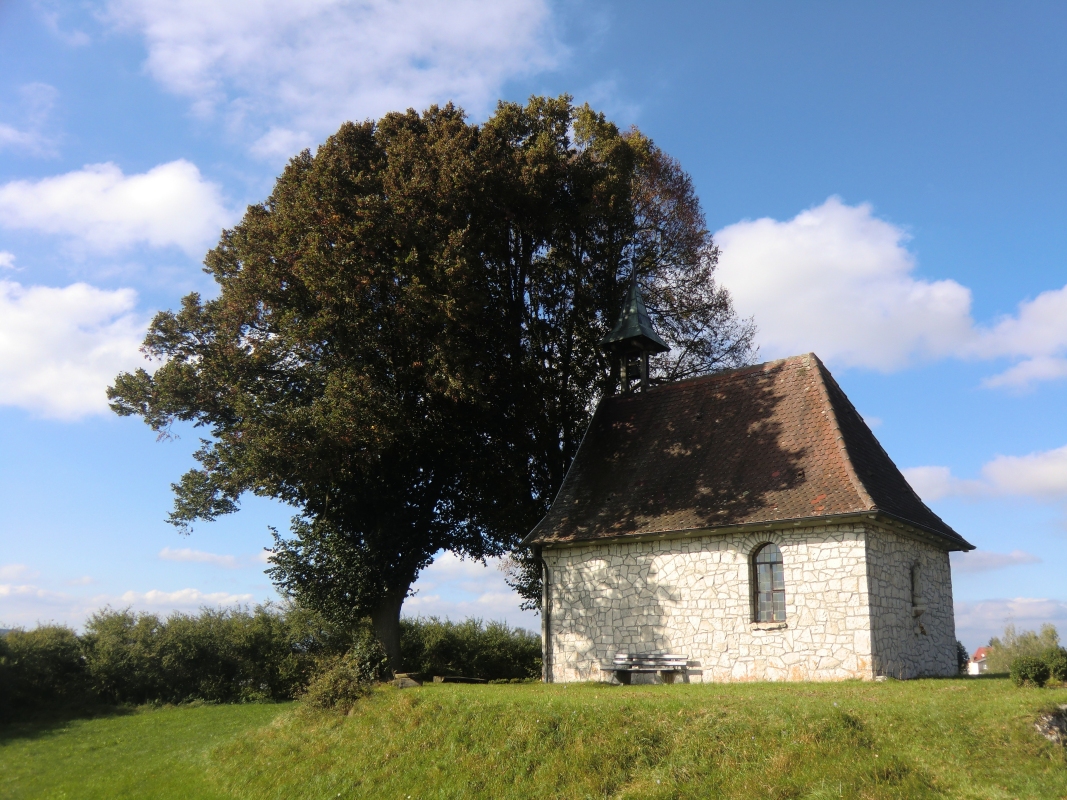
(748, 520)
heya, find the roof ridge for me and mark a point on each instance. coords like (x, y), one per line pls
(861, 489)
(731, 371)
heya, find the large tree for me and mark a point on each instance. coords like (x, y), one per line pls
(404, 343)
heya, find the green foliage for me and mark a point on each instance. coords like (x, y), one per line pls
(238, 655)
(962, 656)
(1029, 671)
(1057, 664)
(343, 680)
(473, 649)
(404, 344)
(368, 658)
(338, 687)
(1014, 644)
(221, 656)
(40, 667)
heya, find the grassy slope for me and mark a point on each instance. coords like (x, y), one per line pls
(148, 753)
(949, 738)
(957, 738)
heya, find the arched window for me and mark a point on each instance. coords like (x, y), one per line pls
(770, 584)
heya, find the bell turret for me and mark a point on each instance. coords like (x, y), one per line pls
(632, 341)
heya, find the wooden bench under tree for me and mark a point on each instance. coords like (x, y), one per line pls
(666, 664)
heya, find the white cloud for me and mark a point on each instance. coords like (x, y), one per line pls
(9, 590)
(1041, 475)
(1026, 373)
(27, 604)
(198, 557)
(61, 347)
(15, 572)
(50, 16)
(837, 280)
(978, 621)
(100, 208)
(1038, 329)
(933, 483)
(35, 109)
(450, 567)
(456, 589)
(10, 136)
(287, 73)
(84, 580)
(7, 260)
(986, 561)
(183, 599)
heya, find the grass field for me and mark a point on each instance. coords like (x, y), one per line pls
(157, 753)
(939, 738)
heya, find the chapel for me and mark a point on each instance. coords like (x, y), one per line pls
(744, 525)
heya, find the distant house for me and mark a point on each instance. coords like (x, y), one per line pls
(977, 665)
(746, 520)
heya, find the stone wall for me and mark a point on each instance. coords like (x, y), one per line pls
(693, 596)
(912, 636)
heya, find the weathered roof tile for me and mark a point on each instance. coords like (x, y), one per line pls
(778, 441)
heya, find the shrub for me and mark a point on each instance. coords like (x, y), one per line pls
(472, 648)
(1057, 664)
(1013, 644)
(368, 659)
(1029, 671)
(240, 655)
(221, 656)
(347, 679)
(40, 667)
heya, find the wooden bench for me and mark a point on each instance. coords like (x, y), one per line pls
(666, 664)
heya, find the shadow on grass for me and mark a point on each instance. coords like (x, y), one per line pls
(39, 722)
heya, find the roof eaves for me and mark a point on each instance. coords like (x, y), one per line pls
(910, 527)
(960, 544)
(679, 533)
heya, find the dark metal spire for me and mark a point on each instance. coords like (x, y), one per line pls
(634, 329)
(633, 339)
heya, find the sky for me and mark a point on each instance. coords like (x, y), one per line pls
(887, 183)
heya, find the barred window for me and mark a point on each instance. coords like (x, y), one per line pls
(770, 584)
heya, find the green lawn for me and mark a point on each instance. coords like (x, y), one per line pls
(156, 753)
(916, 739)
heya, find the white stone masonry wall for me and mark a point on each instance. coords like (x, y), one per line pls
(693, 596)
(912, 636)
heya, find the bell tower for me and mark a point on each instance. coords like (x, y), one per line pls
(632, 341)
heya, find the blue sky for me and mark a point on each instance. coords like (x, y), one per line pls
(888, 183)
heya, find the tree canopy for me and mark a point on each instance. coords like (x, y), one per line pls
(405, 341)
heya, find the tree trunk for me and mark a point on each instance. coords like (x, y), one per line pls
(386, 621)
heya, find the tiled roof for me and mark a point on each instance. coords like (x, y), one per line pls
(778, 441)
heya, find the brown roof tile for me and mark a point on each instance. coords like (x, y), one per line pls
(778, 441)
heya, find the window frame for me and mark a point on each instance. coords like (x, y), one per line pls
(776, 594)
